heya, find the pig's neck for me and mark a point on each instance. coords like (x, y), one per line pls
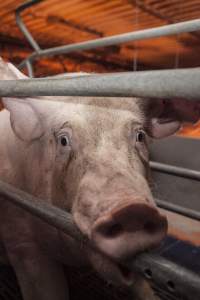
(19, 166)
(7, 173)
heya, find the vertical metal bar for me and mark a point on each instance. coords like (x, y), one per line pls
(29, 67)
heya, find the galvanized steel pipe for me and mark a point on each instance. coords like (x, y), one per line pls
(188, 26)
(157, 269)
(181, 83)
(176, 171)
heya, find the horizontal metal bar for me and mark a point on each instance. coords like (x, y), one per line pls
(174, 170)
(181, 83)
(22, 26)
(157, 269)
(166, 30)
(184, 211)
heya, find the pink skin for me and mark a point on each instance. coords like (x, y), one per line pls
(89, 157)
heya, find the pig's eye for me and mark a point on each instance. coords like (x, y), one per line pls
(140, 136)
(64, 140)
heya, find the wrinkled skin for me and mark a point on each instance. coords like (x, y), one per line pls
(89, 157)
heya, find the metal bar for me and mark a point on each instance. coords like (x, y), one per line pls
(177, 171)
(39, 208)
(29, 69)
(182, 27)
(159, 270)
(23, 27)
(181, 83)
(177, 280)
(187, 212)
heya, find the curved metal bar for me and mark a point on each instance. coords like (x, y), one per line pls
(188, 26)
(181, 83)
(23, 27)
(174, 170)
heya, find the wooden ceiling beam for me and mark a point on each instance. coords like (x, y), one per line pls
(53, 19)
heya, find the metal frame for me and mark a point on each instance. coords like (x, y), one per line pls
(152, 266)
(154, 84)
(176, 171)
(166, 30)
(181, 83)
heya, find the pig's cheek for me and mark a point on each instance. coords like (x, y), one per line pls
(81, 221)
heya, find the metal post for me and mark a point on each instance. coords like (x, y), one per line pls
(29, 69)
(181, 83)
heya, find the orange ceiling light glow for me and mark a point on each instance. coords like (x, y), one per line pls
(192, 131)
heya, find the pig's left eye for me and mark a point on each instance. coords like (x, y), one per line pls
(140, 136)
(64, 140)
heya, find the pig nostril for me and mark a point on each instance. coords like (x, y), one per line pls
(113, 231)
(148, 273)
(150, 227)
(125, 271)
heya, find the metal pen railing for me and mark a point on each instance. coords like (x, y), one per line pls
(152, 266)
(172, 29)
(182, 83)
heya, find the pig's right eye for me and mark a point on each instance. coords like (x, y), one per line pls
(64, 140)
(140, 136)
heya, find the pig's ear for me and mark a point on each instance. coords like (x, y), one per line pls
(8, 71)
(165, 117)
(25, 120)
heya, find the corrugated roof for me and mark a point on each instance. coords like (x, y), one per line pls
(54, 22)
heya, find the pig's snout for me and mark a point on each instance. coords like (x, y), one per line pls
(128, 230)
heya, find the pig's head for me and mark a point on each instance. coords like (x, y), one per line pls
(90, 157)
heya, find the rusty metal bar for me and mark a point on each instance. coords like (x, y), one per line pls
(181, 83)
(182, 27)
(174, 170)
(157, 269)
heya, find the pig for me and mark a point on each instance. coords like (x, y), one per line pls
(88, 156)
